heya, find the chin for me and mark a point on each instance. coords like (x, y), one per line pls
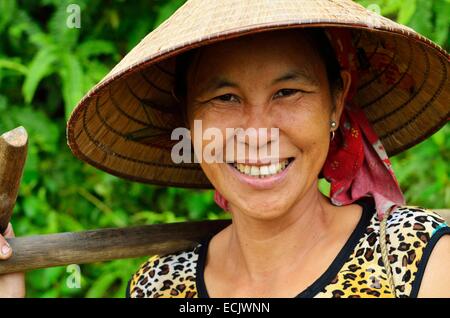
(265, 209)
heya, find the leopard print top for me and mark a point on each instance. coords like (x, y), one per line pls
(357, 270)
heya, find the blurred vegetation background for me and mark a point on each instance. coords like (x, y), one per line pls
(45, 68)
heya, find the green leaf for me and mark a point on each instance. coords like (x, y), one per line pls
(51, 293)
(95, 47)
(63, 35)
(72, 78)
(23, 24)
(140, 29)
(10, 64)
(69, 223)
(167, 10)
(7, 9)
(421, 21)
(390, 7)
(324, 187)
(442, 21)
(32, 206)
(406, 11)
(42, 65)
(439, 137)
(43, 132)
(101, 285)
(45, 281)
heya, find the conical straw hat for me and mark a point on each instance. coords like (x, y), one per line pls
(123, 124)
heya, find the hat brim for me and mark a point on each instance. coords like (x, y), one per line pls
(123, 125)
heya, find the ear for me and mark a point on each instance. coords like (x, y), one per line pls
(340, 96)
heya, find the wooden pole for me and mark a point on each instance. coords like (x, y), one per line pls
(13, 152)
(40, 251)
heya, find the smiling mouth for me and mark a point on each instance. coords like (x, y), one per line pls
(262, 171)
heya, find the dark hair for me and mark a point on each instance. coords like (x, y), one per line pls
(326, 52)
(317, 38)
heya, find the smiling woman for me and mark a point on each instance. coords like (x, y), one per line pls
(341, 95)
(257, 65)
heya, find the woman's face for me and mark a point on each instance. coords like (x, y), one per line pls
(269, 80)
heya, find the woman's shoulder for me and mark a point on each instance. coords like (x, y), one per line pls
(416, 221)
(170, 275)
(412, 232)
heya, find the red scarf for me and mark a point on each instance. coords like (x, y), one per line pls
(357, 164)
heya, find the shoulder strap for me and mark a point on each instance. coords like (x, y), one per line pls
(384, 252)
(407, 236)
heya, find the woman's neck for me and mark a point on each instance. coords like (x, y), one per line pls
(262, 249)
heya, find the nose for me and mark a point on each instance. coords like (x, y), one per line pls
(258, 120)
(258, 133)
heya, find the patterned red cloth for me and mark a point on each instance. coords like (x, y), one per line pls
(357, 164)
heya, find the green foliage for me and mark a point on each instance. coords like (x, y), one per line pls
(45, 68)
(428, 17)
(423, 172)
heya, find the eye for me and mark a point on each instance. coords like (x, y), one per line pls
(227, 98)
(286, 92)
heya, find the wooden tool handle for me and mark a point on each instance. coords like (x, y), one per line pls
(13, 153)
(40, 251)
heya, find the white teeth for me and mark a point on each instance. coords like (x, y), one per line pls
(272, 169)
(254, 171)
(261, 171)
(264, 170)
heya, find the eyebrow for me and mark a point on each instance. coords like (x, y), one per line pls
(295, 75)
(292, 75)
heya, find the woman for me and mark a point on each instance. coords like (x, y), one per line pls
(340, 100)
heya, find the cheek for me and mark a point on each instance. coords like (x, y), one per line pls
(306, 124)
(214, 122)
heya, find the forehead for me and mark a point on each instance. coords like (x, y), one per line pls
(260, 52)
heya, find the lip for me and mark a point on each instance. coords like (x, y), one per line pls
(261, 183)
(263, 162)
